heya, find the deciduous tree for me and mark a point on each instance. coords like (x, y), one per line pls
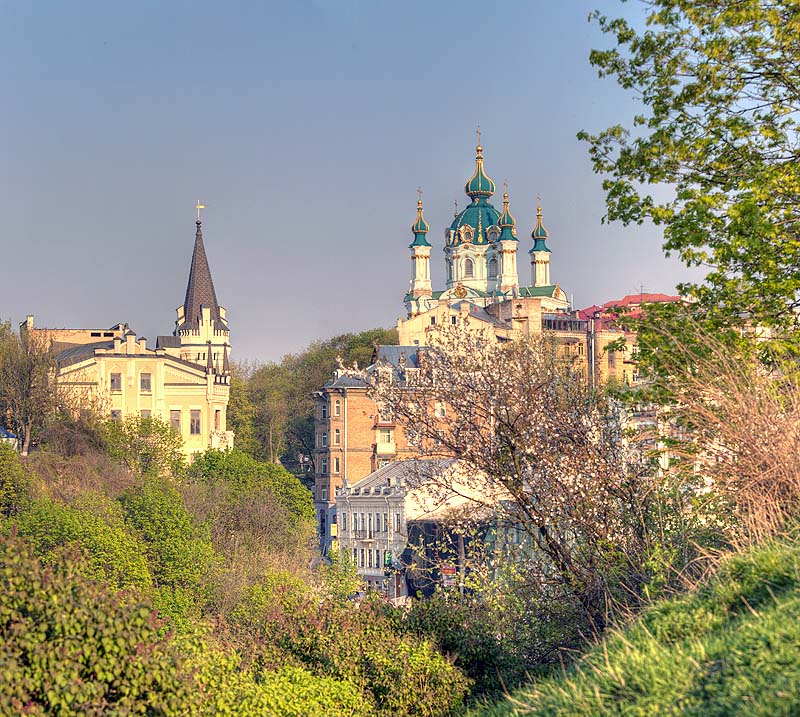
(718, 134)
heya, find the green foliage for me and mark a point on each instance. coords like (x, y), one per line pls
(96, 528)
(242, 476)
(719, 127)
(178, 548)
(148, 446)
(278, 405)
(69, 646)
(401, 675)
(13, 482)
(728, 648)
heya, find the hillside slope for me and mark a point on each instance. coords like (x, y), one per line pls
(730, 648)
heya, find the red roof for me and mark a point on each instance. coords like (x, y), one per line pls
(631, 302)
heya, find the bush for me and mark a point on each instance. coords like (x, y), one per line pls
(13, 481)
(70, 646)
(96, 528)
(148, 446)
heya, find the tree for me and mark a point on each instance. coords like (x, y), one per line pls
(148, 446)
(544, 454)
(28, 392)
(720, 91)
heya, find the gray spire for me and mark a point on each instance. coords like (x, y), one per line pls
(200, 289)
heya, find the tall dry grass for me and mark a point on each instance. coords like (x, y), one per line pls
(740, 421)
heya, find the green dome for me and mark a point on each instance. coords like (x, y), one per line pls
(480, 215)
(420, 227)
(539, 233)
(507, 223)
(479, 185)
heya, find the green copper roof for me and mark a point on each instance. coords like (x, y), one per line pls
(535, 291)
(420, 226)
(507, 223)
(480, 215)
(479, 185)
(539, 233)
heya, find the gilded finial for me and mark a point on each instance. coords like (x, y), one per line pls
(539, 206)
(455, 207)
(479, 148)
(198, 207)
(419, 197)
(505, 192)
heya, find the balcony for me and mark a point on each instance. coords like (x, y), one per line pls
(386, 449)
(363, 534)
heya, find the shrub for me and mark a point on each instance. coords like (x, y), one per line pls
(70, 646)
(95, 527)
(13, 481)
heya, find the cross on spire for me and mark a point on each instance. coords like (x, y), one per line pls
(478, 131)
(419, 195)
(198, 207)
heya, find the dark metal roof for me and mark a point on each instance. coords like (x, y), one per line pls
(78, 353)
(168, 342)
(200, 288)
(393, 355)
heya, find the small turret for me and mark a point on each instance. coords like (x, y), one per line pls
(539, 253)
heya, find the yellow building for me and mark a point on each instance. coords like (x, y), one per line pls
(184, 380)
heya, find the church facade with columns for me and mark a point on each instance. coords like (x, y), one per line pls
(184, 379)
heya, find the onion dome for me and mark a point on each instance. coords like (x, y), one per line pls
(539, 233)
(420, 226)
(471, 225)
(479, 185)
(507, 223)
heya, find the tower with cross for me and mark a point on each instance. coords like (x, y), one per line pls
(201, 328)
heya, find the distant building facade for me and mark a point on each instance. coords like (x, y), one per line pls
(184, 380)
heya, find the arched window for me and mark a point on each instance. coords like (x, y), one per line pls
(449, 270)
(469, 269)
(337, 407)
(337, 437)
(492, 268)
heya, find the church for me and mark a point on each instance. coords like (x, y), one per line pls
(184, 380)
(482, 278)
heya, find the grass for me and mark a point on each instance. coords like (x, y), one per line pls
(731, 647)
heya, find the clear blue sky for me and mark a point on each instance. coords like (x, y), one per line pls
(305, 127)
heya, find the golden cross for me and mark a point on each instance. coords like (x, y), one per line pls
(419, 194)
(198, 207)
(505, 186)
(479, 134)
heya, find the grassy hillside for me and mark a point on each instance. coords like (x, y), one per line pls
(730, 648)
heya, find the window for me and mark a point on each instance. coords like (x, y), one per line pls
(324, 439)
(325, 410)
(355, 521)
(433, 321)
(194, 423)
(492, 268)
(397, 522)
(145, 383)
(385, 435)
(323, 523)
(385, 522)
(217, 419)
(323, 493)
(324, 465)
(116, 414)
(453, 320)
(337, 407)
(355, 556)
(469, 269)
(337, 437)
(363, 523)
(344, 521)
(369, 526)
(369, 558)
(145, 413)
(378, 523)
(175, 420)
(361, 556)
(116, 381)
(377, 558)
(336, 464)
